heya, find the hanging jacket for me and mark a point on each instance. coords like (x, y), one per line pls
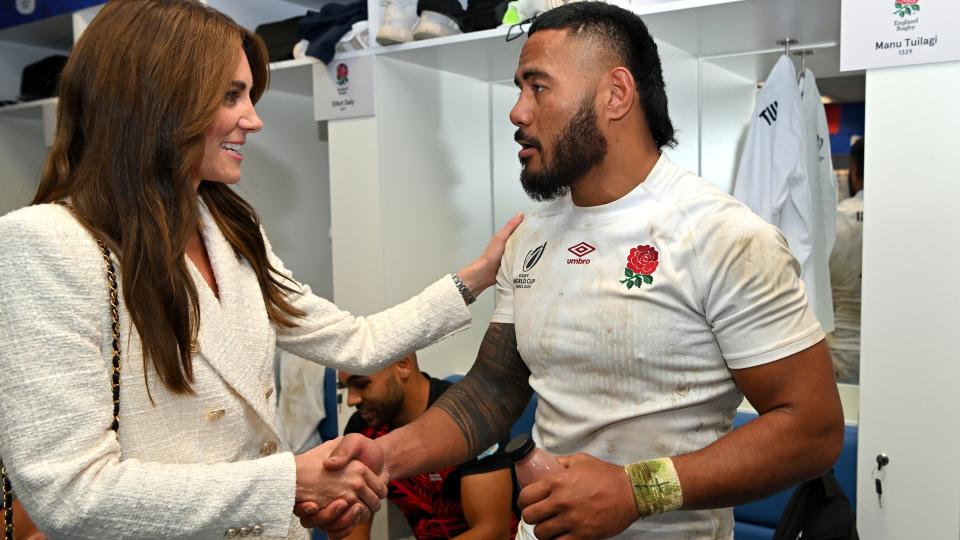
(823, 198)
(772, 177)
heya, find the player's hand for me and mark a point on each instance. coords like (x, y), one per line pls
(356, 447)
(336, 519)
(347, 493)
(589, 499)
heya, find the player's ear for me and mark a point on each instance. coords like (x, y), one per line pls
(403, 368)
(620, 93)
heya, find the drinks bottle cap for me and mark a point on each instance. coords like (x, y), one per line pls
(520, 446)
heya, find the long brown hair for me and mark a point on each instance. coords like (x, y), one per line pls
(142, 85)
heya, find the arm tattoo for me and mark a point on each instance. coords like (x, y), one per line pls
(494, 392)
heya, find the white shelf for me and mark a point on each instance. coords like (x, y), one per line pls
(746, 25)
(314, 5)
(712, 29)
(824, 63)
(290, 76)
(293, 76)
(53, 33)
(30, 110)
(484, 55)
(252, 13)
(703, 28)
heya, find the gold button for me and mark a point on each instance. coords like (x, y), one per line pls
(231, 533)
(268, 393)
(216, 414)
(244, 532)
(257, 530)
(268, 448)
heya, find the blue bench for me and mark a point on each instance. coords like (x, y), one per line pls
(758, 520)
(328, 427)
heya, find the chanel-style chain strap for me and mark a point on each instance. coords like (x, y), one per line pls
(114, 330)
(114, 377)
(7, 504)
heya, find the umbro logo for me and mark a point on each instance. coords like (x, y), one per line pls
(581, 250)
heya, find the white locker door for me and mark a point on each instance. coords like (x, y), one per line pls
(910, 374)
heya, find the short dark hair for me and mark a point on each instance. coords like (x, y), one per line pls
(624, 34)
(856, 155)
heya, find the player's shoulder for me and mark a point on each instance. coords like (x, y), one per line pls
(537, 224)
(713, 220)
(703, 205)
(544, 215)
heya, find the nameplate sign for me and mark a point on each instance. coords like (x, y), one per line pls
(886, 33)
(343, 88)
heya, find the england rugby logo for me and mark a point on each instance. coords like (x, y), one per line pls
(905, 8)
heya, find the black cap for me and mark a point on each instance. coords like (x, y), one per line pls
(520, 446)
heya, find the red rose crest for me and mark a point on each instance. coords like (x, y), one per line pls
(342, 73)
(642, 262)
(905, 8)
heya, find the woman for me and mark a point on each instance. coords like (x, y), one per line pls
(155, 105)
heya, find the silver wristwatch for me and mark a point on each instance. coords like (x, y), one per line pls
(468, 297)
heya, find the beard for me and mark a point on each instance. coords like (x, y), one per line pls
(384, 410)
(578, 149)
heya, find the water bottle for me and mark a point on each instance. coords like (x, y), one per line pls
(531, 464)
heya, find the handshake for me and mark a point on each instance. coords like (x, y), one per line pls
(339, 483)
(342, 481)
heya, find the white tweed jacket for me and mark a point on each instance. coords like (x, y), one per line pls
(186, 466)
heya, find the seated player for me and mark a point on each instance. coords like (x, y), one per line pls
(471, 500)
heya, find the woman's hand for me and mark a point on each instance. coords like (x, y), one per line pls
(354, 483)
(482, 273)
(339, 519)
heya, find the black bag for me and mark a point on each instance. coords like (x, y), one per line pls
(483, 15)
(280, 38)
(818, 510)
(40, 79)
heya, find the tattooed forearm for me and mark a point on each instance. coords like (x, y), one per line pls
(493, 394)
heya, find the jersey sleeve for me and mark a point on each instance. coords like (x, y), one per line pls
(503, 310)
(754, 300)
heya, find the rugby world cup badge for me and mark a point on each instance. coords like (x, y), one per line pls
(524, 281)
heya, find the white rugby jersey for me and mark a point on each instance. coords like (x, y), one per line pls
(823, 198)
(772, 178)
(631, 314)
(846, 271)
